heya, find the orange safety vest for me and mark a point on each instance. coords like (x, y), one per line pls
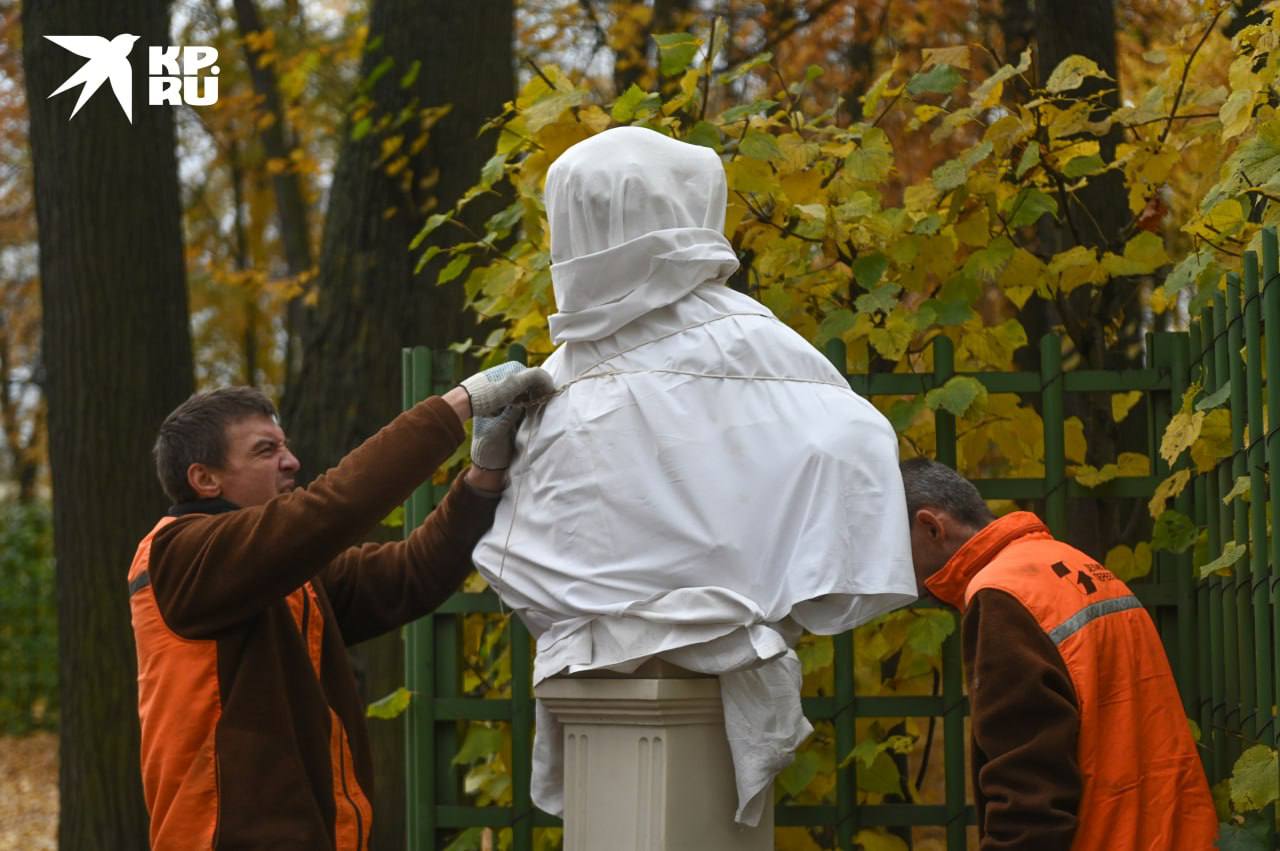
(1144, 787)
(180, 709)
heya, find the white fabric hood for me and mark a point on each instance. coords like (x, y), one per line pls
(628, 237)
(704, 485)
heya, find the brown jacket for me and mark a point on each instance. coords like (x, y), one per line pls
(253, 734)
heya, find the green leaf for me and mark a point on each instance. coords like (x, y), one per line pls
(481, 742)
(362, 128)
(868, 269)
(432, 223)
(471, 839)
(1255, 780)
(929, 630)
(390, 706)
(744, 68)
(395, 519)
(958, 396)
(1174, 532)
(741, 111)
(797, 776)
(883, 299)
(1253, 835)
(1190, 270)
(1072, 72)
(493, 169)
(873, 158)
(432, 251)
(815, 654)
(1231, 553)
(903, 413)
(834, 324)
(1081, 166)
(1030, 159)
(1029, 205)
(1242, 488)
(634, 100)
(454, 268)
(407, 79)
(938, 80)
(1216, 399)
(706, 134)
(760, 145)
(676, 51)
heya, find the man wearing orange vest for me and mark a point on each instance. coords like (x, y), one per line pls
(1079, 738)
(247, 594)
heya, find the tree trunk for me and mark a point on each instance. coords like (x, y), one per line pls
(291, 206)
(1103, 324)
(370, 302)
(117, 350)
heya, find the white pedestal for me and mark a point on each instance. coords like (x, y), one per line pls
(647, 766)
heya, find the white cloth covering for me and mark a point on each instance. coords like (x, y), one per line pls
(705, 485)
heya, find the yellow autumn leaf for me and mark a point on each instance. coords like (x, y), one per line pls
(1181, 432)
(1214, 441)
(877, 840)
(1075, 442)
(1143, 255)
(956, 57)
(1122, 404)
(1021, 276)
(1072, 72)
(1129, 563)
(975, 228)
(1236, 114)
(1167, 490)
(1090, 477)
(1134, 464)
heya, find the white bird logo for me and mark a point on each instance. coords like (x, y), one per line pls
(108, 60)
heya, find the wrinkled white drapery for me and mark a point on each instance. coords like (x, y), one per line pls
(705, 485)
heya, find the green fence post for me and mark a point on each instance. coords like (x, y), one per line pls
(1271, 326)
(1239, 510)
(845, 719)
(520, 647)
(1213, 520)
(1222, 473)
(1172, 355)
(1257, 508)
(952, 661)
(1053, 412)
(1194, 498)
(420, 719)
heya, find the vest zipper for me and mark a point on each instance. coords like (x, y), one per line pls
(342, 767)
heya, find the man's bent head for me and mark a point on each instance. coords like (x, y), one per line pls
(224, 443)
(945, 511)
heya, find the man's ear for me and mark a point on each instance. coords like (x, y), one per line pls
(931, 523)
(204, 481)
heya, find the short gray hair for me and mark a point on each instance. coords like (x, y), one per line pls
(930, 484)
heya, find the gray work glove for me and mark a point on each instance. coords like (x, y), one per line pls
(494, 389)
(493, 439)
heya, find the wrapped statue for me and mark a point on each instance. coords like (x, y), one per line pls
(704, 486)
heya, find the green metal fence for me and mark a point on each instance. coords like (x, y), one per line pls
(1220, 634)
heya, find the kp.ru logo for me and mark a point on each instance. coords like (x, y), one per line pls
(173, 72)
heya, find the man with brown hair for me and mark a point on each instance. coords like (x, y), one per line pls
(1079, 739)
(246, 595)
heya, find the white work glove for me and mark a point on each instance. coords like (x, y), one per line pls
(494, 389)
(493, 439)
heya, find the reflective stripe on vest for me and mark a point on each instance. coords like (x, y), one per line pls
(1092, 612)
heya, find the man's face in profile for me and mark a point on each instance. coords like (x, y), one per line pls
(259, 465)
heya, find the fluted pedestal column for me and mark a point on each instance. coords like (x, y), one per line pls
(647, 766)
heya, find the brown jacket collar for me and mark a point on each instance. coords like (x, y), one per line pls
(950, 582)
